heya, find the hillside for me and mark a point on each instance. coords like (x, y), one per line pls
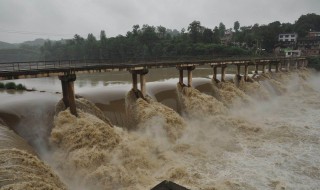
(37, 42)
(5, 45)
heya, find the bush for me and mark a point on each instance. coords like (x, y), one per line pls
(20, 87)
(10, 85)
(1, 85)
(314, 62)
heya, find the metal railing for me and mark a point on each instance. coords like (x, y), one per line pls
(64, 65)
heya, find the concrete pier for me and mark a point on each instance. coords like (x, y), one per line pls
(134, 81)
(143, 81)
(263, 68)
(181, 76)
(67, 83)
(277, 66)
(296, 65)
(246, 72)
(238, 70)
(256, 69)
(189, 70)
(215, 72)
(223, 73)
(288, 65)
(270, 67)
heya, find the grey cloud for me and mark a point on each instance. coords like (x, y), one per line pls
(118, 16)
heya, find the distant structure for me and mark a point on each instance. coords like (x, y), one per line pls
(286, 42)
(313, 34)
(227, 38)
(310, 45)
(289, 37)
(292, 53)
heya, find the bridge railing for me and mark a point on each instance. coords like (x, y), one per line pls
(61, 65)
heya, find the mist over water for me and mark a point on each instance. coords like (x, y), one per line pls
(260, 135)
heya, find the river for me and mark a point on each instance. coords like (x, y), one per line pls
(262, 135)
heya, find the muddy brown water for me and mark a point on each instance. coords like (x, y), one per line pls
(265, 144)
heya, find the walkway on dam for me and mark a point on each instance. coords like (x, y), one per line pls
(37, 69)
(67, 70)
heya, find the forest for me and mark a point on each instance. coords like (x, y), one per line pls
(158, 42)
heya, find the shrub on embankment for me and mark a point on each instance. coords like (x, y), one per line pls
(12, 85)
(314, 62)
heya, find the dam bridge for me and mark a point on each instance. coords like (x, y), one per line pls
(66, 70)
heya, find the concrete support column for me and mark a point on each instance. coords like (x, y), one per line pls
(280, 66)
(303, 63)
(67, 83)
(263, 68)
(223, 73)
(143, 84)
(288, 65)
(134, 81)
(215, 73)
(256, 69)
(238, 70)
(189, 77)
(189, 70)
(246, 72)
(270, 67)
(277, 67)
(181, 77)
(142, 73)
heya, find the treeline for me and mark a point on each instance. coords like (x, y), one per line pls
(146, 41)
(143, 43)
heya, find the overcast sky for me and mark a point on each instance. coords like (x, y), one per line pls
(22, 20)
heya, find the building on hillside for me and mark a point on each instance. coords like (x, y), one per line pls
(313, 34)
(310, 45)
(288, 37)
(292, 53)
(227, 38)
(286, 41)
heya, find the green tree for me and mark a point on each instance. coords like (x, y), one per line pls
(222, 29)
(92, 47)
(207, 36)
(194, 29)
(103, 45)
(161, 31)
(216, 35)
(236, 26)
(306, 23)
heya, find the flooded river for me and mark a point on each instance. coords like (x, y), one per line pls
(260, 135)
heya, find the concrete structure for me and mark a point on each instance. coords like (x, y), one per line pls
(227, 38)
(68, 96)
(310, 45)
(292, 53)
(313, 34)
(67, 70)
(288, 37)
(189, 70)
(143, 89)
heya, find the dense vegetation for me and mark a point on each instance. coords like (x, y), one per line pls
(12, 85)
(150, 42)
(314, 62)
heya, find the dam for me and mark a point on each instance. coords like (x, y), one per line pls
(249, 126)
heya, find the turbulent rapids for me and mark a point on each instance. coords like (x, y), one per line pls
(20, 168)
(259, 134)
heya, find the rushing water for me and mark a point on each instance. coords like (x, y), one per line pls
(260, 135)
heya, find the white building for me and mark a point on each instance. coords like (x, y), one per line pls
(289, 37)
(292, 53)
